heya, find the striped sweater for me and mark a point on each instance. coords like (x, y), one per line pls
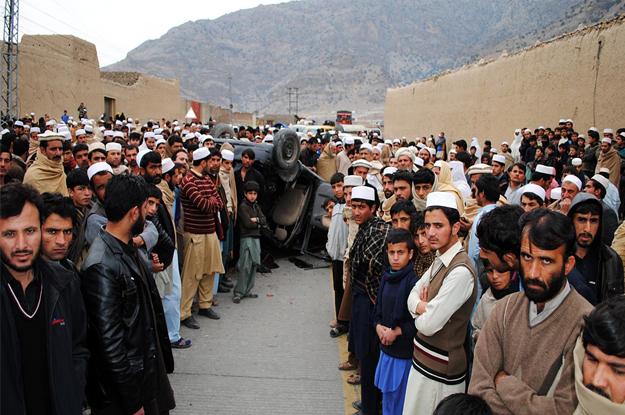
(200, 203)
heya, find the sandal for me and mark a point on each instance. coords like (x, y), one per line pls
(251, 296)
(347, 366)
(181, 344)
(353, 379)
(215, 303)
(236, 299)
(339, 331)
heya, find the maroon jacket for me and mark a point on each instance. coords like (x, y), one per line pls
(200, 203)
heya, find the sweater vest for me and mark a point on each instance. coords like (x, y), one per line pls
(441, 357)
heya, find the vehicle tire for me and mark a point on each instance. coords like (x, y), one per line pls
(222, 131)
(286, 149)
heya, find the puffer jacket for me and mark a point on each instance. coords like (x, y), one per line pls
(122, 335)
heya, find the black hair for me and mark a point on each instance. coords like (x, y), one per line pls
(13, 197)
(20, 146)
(329, 200)
(5, 149)
(337, 178)
(66, 146)
(537, 176)
(150, 157)
(154, 192)
(8, 138)
(123, 193)
(424, 176)
(549, 230)
(174, 139)
(214, 152)
(488, 184)
(77, 177)
(251, 186)
(604, 327)
(79, 147)
(570, 170)
(397, 236)
(134, 136)
(131, 147)
(534, 196)
(485, 156)
(498, 230)
(463, 404)
(601, 173)
(59, 204)
(602, 190)
(313, 140)
(417, 221)
(404, 175)
(249, 153)
(593, 134)
(452, 215)
(405, 206)
(464, 158)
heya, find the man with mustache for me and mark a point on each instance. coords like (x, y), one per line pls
(599, 264)
(46, 174)
(524, 356)
(600, 361)
(42, 317)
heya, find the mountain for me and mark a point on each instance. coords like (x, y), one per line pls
(344, 55)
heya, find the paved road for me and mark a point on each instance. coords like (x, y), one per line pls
(270, 355)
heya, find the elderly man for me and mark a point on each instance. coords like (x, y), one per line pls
(46, 174)
(405, 159)
(361, 168)
(599, 357)
(609, 158)
(571, 186)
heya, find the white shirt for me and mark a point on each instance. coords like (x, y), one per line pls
(454, 292)
(550, 306)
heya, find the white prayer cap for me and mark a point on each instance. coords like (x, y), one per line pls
(27, 127)
(309, 134)
(438, 163)
(404, 138)
(405, 152)
(160, 141)
(97, 168)
(534, 188)
(49, 136)
(67, 135)
(581, 136)
(518, 130)
(35, 130)
(113, 147)
(141, 154)
(389, 171)
(541, 128)
(389, 142)
(80, 132)
(352, 181)
(129, 119)
(505, 143)
(453, 151)
(18, 123)
(361, 163)
(84, 121)
(96, 146)
(62, 128)
(576, 162)
(622, 134)
(73, 123)
(193, 124)
(49, 123)
(349, 141)
(593, 129)
(418, 161)
(569, 120)
(227, 155)
(601, 180)
(177, 128)
(3, 132)
(499, 159)
(479, 168)
(441, 199)
(604, 170)
(363, 193)
(158, 131)
(367, 146)
(397, 140)
(562, 121)
(102, 129)
(606, 140)
(149, 134)
(88, 129)
(32, 113)
(108, 133)
(421, 146)
(541, 168)
(118, 134)
(168, 165)
(269, 138)
(608, 131)
(185, 132)
(189, 136)
(175, 122)
(201, 154)
(494, 150)
(375, 134)
(573, 179)
(556, 193)
(430, 139)
(432, 151)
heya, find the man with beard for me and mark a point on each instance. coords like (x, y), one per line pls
(114, 158)
(599, 360)
(389, 192)
(46, 174)
(59, 216)
(609, 158)
(5, 165)
(571, 186)
(441, 304)
(42, 318)
(127, 329)
(514, 375)
(131, 152)
(599, 264)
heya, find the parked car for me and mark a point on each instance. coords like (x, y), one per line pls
(294, 194)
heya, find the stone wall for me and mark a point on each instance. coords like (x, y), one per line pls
(558, 79)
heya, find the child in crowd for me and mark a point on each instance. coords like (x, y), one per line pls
(251, 219)
(425, 256)
(393, 323)
(338, 233)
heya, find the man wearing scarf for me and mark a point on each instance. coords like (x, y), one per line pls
(46, 174)
(609, 158)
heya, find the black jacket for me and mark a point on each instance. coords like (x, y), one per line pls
(122, 333)
(67, 354)
(165, 246)
(610, 275)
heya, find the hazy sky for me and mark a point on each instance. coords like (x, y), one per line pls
(116, 27)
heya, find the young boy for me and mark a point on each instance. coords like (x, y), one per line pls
(337, 244)
(251, 219)
(393, 323)
(425, 255)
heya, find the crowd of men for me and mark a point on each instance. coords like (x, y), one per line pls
(464, 277)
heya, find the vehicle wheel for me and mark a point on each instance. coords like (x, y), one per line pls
(222, 131)
(286, 150)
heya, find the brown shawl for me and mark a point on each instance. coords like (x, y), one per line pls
(46, 176)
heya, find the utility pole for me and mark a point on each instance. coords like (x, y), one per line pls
(9, 61)
(230, 89)
(296, 101)
(289, 93)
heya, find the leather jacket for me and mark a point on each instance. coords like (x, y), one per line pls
(120, 294)
(610, 282)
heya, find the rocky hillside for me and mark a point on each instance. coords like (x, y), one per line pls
(343, 55)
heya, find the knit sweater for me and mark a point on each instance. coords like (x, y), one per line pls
(247, 211)
(200, 203)
(538, 359)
